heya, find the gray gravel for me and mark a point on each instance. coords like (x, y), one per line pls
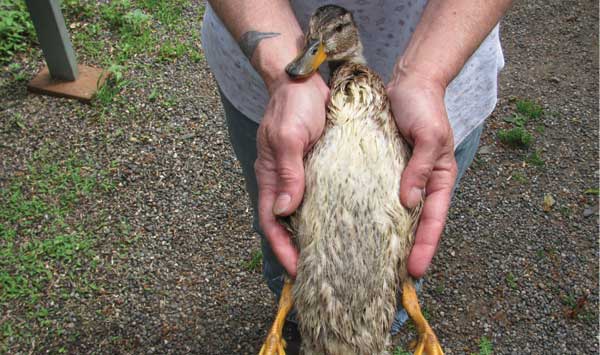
(177, 281)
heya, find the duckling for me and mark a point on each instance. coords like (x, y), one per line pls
(353, 234)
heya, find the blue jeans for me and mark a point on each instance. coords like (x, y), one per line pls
(242, 133)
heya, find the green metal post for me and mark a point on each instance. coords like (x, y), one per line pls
(52, 33)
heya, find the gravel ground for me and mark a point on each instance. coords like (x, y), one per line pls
(506, 269)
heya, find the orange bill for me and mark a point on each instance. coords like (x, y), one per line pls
(308, 61)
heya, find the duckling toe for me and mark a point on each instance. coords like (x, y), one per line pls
(428, 344)
(274, 345)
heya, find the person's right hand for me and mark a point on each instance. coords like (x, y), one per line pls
(294, 119)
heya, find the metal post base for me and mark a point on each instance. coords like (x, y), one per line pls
(89, 81)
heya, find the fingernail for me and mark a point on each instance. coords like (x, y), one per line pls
(414, 196)
(281, 204)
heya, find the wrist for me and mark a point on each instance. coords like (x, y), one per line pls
(273, 55)
(426, 75)
(314, 82)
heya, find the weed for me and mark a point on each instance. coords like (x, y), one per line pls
(400, 351)
(153, 95)
(425, 313)
(517, 119)
(540, 254)
(485, 347)
(592, 191)
(511, 280)
(45, 252)
(135, 21)
(535, 159)
(195, 56)
(255, 262)
(519, 177)
(565, 211)
(516, 137)
(575, 306)
(16, 29)
(170, 51)
(529, 109)
(540, 128)
(113, 85)
(169, 102)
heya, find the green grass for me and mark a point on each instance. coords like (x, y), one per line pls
(517, 137)
(517, 119)
(400, 351)
(592, 191)
(46, 246)
(529, 109)
(485, 347)
(255, 261)
(519, 177)
(511, 280)
(108, 34)
(535, 159)
(113, 86)
(16, 30)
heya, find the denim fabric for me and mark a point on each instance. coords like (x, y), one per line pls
(242, 133)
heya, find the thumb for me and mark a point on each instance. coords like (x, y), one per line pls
(290, 185)
(417, 173)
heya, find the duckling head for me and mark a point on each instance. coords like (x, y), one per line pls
(333, 36)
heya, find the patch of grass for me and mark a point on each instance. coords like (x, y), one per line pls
(540, 254)
(485, 347)
(592, 191)
(400, 351)
(136, 21)
(171, 50)
(113, 85)
(517, 119)
(535, 159)
(16, 29)
(529, 109)
(565, 211)
(576, 307)
(511, 280)
(517, 137)
(540, 128)
(255, 262)
(46, 249)
(153, 95)
(519, 177)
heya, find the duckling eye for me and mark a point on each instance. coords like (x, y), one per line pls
(339, 28)
(314, 51)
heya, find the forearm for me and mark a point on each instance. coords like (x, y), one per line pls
(267, 32)
(448, 33)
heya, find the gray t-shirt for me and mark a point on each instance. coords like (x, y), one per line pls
(386, 27)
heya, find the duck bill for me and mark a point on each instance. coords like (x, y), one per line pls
(308, 61)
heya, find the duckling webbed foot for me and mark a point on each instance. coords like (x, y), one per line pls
(275, 344)
(427, 342)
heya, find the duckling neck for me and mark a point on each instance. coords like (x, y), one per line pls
(356, 58)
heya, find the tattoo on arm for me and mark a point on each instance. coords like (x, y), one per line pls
(249, 41)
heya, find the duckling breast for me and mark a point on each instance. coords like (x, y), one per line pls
(352, 231)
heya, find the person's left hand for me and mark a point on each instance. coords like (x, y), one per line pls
(418, 107)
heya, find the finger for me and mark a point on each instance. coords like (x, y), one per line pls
(431, 224)
(417, 172)
(290, 174)
(277, 236)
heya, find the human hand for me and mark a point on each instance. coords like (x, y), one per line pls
(418, 106)
(294, 119)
